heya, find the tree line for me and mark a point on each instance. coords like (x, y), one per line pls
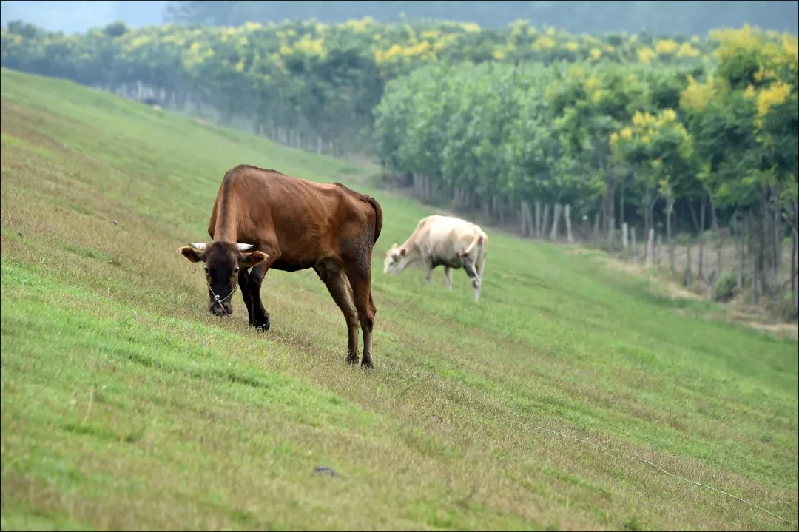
(305, 80)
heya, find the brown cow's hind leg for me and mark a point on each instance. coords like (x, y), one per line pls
(360, 279)
(341, 291)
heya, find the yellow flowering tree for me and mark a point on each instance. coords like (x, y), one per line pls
(660, 152)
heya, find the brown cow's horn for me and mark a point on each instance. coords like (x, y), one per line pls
(243, 247)
(199, 246)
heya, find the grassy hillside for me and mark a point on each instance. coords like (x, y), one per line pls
(126, 405)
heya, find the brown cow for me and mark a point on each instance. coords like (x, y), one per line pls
(264, 219)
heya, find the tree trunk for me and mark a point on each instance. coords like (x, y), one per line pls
(538, 219)
(650, 216)
(739, 250)
(596, 225)
(687, 280)
(649, 246)
(693, 215)
(568, 217)
(669, 209)
(701, 269)
(610, 215)
(761, 249)
(793, 274)
(544, 219)
(777, 247)
(611, 236)
(754, 282)
(529, 217)
(634, 246)
(659, 251)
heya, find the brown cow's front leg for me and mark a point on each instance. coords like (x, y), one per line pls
(244, 285)
(259, 317)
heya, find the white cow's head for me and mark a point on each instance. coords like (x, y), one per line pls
(395, 260)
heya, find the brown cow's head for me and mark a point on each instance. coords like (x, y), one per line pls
(223, 260)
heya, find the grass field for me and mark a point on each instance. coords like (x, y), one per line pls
(125, 404)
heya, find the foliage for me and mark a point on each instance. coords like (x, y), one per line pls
(303, 75)
(722, 129)
(725, 286)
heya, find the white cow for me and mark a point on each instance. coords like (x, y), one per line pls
(442, 240)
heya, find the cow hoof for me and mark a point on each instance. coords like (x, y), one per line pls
(367, 364)
(262, 325)
(351, 361)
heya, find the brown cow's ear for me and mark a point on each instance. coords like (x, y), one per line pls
(191, 254)
(252, 258)
(403, 252)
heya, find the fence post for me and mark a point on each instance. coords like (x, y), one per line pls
(553, 235)
(624, 236)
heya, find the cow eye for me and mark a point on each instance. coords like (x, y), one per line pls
(236, 271)
(206, 271)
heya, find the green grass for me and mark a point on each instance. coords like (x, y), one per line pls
(126, 405)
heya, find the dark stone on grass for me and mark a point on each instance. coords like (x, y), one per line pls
(321, 470)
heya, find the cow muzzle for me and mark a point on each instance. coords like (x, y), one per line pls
(220, 309)
(220, 306)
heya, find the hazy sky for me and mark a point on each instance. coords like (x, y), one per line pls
(79, 16)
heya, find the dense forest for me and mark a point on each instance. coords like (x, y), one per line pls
(667, 134)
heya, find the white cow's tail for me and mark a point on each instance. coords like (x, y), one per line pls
(481, 241)
(481, 259)
(477, 240)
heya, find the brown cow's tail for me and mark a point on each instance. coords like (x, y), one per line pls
(378, 217)
(375, 205)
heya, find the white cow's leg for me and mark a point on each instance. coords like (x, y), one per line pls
(448, 277)
(470, 271)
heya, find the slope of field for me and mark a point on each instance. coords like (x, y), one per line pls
(126, 405)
